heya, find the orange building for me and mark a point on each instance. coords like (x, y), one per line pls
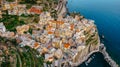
(35, 10)
(36, 45)
(67, 45)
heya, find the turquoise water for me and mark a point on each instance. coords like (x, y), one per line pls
(106, 14)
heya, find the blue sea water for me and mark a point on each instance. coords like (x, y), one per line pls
(106, 14)
(95, 62)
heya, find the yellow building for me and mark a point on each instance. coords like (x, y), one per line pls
(9, 6)
(22, 29)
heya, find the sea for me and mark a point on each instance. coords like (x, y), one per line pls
(106, 14)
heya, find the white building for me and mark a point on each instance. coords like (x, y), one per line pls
(2, 27)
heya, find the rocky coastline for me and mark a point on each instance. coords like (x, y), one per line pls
(62, 11)
(67, 49)
(112, 63)
(102, 49)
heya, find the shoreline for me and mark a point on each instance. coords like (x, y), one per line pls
(79, 63)
(109, 60)
(101, 49)
(82, 55)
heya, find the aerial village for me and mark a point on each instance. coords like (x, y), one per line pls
(59, 41)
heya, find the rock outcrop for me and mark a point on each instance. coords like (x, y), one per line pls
(85, 54)
(111, 62)
(61, 8)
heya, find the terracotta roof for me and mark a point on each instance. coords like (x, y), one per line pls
(36, 44)
(60, 22)
(49, 32)
(35, 10)
(67, 45)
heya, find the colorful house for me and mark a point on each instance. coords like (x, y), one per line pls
(34, 10)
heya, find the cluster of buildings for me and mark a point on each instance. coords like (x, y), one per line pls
(58, 40)
(5, 33)
(14, 8)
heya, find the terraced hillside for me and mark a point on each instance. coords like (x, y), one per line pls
(12, 55)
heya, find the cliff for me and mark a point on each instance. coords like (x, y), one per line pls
(84, 54)
(61, 8)
(90, 49)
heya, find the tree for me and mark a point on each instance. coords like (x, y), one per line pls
(30, 30)
(10, 0)
(30, 1)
